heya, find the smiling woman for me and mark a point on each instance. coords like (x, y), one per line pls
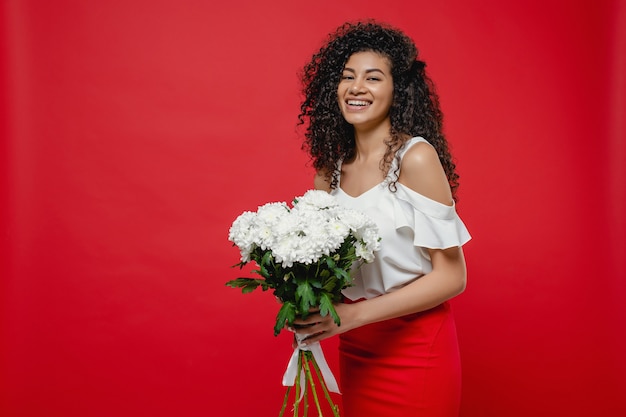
(134, 132)
(379, 164)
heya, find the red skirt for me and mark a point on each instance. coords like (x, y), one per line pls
(404, 367)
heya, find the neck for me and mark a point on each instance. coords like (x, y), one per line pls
(371, 142)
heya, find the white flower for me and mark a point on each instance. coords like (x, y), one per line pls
(355, 220)
(316, 226)
(284, 249)
(371, 239)
(335, 233)
(272, 213)
(315, 200)
(269, 216)
(243, 233)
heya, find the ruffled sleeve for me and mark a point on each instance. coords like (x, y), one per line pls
(434, 225)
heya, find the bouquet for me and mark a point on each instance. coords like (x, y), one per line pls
(304, 253)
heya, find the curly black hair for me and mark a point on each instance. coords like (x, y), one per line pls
(415, 109)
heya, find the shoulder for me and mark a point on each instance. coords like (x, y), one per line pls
(322, 181)
(420, 155)
(421, 170)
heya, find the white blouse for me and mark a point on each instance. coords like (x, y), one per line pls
(408, 223)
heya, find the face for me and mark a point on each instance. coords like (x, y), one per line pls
(365, 91)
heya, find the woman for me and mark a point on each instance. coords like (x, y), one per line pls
(374, 133)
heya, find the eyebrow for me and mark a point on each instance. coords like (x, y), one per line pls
(367, 71)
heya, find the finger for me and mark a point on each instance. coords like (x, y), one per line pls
(309, 320)
(314, 338)
(305, 331)
(304, 325)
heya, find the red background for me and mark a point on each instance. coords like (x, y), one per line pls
(134, 132)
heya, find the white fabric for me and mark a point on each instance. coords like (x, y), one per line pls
(291, 373)
(409, 223)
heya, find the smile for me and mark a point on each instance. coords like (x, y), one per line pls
(358, 103)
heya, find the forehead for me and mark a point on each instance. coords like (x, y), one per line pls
(368, 59)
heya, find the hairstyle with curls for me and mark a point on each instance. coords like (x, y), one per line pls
(415, 109)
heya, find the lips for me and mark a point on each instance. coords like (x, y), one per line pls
(357, 105)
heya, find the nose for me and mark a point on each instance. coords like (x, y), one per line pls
(357, 86)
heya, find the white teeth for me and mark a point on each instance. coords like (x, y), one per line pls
(358, 103)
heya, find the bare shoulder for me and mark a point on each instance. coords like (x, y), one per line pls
(419, 156)
(321, 181)
(421, 171)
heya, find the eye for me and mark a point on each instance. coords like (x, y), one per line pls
(347, 77)
(373, 79)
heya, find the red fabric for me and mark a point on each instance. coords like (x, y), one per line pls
(403, 367)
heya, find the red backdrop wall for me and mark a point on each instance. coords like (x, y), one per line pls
(134, 132)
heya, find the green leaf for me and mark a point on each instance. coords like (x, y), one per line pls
(263, 271)
(316, 283)
(286, 314)
(341, 273)
(247, 284)
(306, 296)
(330, 284)
(264, 264)
(327, 307)
(267, 258)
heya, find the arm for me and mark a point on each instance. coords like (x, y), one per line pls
(422, 172)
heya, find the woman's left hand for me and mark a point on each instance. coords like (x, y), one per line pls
(317, 327)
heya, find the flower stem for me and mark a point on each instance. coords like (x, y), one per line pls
(333, 406)
(309, 376)
(306, 396)
(296, 403)
(282, 410)
(305, 413)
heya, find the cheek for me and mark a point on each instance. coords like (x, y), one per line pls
(391, 97)
(341, 91)
(390, 93)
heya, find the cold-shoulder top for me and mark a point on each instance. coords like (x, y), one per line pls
(409, 224)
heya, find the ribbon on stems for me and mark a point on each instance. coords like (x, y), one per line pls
(306, 364)
(291, 373)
